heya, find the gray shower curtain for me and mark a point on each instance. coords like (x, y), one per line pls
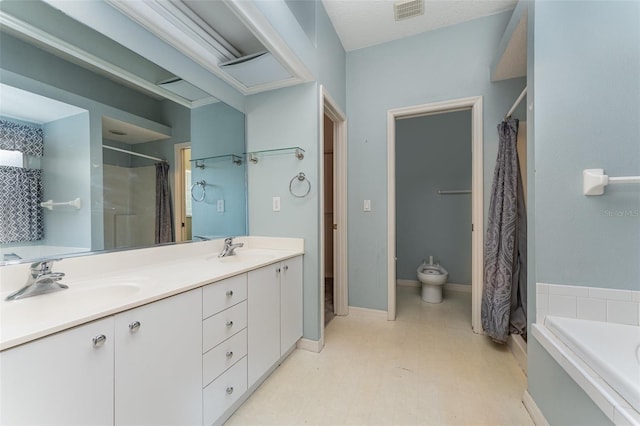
(504, 296)
(164, 208)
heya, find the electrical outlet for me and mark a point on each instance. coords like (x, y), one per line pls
(220, 206)
(276, 204)
(367, 206)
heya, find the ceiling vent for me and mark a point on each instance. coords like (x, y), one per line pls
(406, 9)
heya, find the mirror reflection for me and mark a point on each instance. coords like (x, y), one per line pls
(90, 162)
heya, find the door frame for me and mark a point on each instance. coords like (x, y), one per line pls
(178, 189)
(329, 107)
(477, 197)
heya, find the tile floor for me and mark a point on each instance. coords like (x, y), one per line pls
(426, 368)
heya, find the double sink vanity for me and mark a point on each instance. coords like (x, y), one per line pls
(165, 335)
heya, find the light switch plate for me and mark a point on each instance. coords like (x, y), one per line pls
(276, 204)
(220, 206)
(367, 206)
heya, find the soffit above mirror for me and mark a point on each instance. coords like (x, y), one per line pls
(53, 31)
(230, 39)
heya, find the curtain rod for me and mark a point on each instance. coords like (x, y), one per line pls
(516, 103)
(134, 153)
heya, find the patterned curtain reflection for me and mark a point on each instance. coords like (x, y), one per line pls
(20, 211)
(164, 208)
(21, 137)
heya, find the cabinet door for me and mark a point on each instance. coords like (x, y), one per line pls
(63, 379)
(263, 300)
(158, 364)
(291, 303)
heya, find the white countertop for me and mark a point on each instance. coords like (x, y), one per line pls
(106, 284)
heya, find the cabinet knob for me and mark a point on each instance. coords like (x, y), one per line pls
(229, 390)
(229, 324)
(286, 267)
(278, 271)
(229, 354)
(99, 340)
(134, 326)
(229, 293)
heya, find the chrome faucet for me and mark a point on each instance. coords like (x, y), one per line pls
(41, 281)
(229, 247)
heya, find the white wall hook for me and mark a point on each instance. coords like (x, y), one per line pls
(594, 181)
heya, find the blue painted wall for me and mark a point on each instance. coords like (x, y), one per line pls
(66, 175)
(291, 117)
(433, 152)
(449, 63)
(585, 90)
(218, 129)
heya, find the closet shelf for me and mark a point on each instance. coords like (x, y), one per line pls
(296, 150)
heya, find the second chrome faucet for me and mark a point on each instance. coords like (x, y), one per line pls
(229, 247)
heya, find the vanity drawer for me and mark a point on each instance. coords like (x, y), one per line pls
(223, 356)
(224, 391)
(223, 325)
(219, 296)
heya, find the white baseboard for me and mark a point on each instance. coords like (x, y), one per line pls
(519, 350)
(310, 345)
(408, 283)
(534, 411)
(447, 287)
(465, 288)
(354, 310)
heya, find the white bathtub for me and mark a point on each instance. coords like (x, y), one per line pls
(612, 350)
(603, 358)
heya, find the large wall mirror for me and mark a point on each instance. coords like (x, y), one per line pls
(88, 158)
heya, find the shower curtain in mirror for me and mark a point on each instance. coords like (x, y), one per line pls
(164, 208)
(20, 212)
(21, 218)
(504, 297)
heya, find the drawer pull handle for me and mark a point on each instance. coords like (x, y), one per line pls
(134, 326)
(229, 354)
(229, 293)
(229, 324)
(229, 390)
(99, 340)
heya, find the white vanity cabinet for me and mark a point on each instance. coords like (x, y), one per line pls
(275, 314)
(290, 303)
(224, 346)
(62, 379)
(158, 362)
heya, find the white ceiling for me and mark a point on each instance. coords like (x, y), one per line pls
(365, 23)
(132, 134)
(27, 106)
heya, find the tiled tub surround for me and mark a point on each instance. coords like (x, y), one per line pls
(594, 334)
(109, 283)
(589, 303)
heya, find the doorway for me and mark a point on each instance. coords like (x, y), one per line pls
(477, 211)
(182, 190)
(333, 211)
(330, 228)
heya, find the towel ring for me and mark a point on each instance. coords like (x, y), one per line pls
(301, 177)
(201, 183)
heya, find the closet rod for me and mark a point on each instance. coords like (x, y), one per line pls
(516, 103)
(113, 148)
